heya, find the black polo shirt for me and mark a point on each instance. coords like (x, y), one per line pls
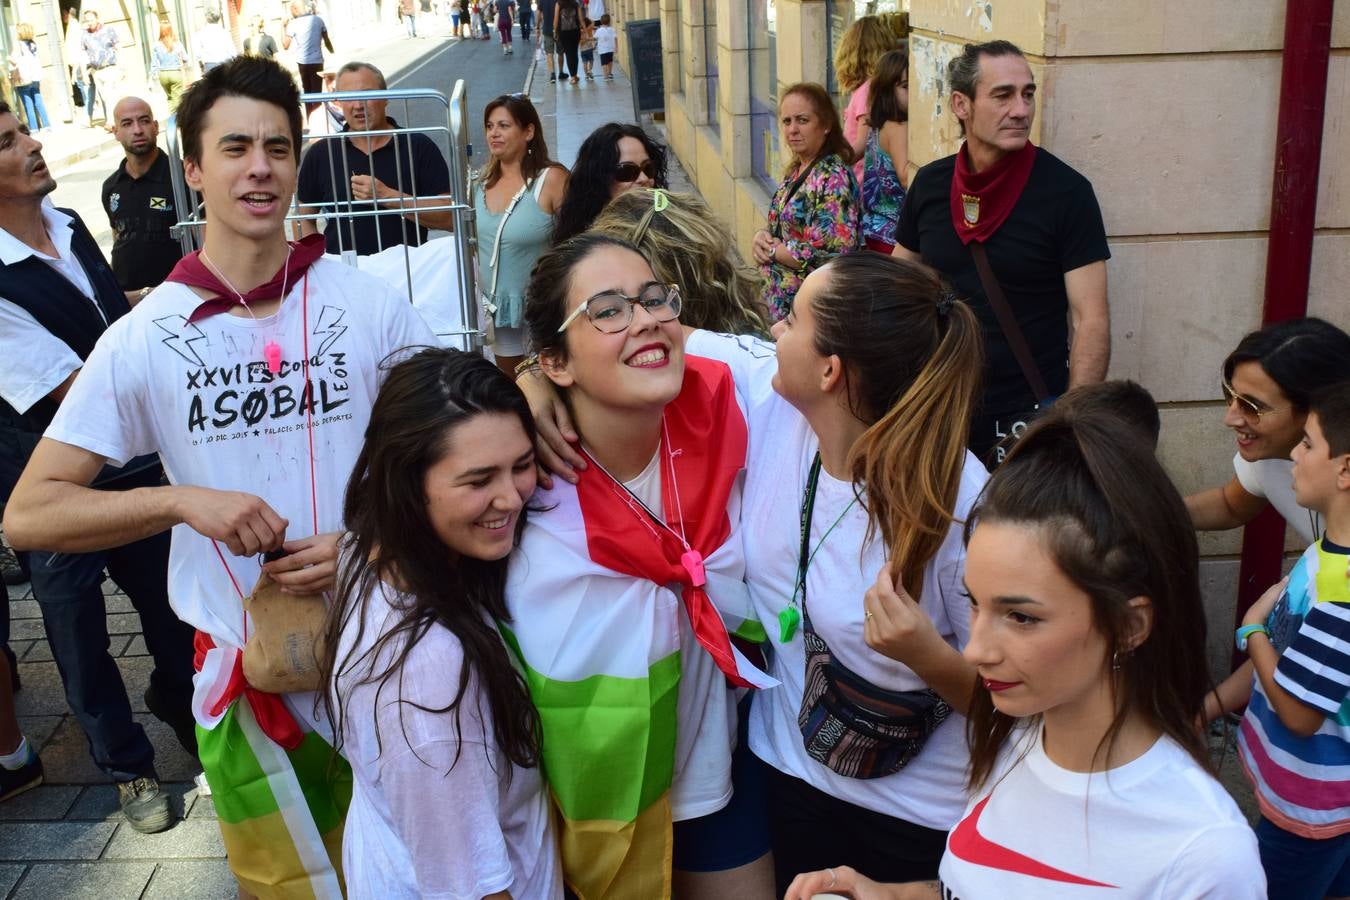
(331, 162)
(141, 212)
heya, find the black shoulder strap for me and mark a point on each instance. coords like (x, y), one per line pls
(1008, 322)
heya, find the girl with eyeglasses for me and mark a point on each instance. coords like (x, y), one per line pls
(1267, 383)
(614, 158)
(626, 584)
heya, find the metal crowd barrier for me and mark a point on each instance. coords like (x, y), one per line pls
(456, 327)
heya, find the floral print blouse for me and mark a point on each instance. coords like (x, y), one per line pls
(821, 221)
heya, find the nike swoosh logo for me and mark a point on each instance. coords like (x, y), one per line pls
(967, 843)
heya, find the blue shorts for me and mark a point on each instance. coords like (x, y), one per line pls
(738, 833)
(1299, 868)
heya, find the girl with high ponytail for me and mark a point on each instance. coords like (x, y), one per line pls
(857, 437)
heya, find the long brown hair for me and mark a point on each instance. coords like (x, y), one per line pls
(1116, 527)
(912, 357)
(412, 423)
(536, 160)
(821, 104)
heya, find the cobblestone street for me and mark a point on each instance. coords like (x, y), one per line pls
(67, 838)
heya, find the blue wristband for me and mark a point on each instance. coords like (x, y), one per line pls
(1244, 634)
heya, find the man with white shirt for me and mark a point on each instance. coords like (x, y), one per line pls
(57, 297)
(251, 371)
(214, 44)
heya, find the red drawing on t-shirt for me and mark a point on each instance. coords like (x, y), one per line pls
(967, 843)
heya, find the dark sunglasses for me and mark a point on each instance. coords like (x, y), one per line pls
(628, 172)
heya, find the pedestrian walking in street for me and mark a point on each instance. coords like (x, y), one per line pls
(58, 299)
(504, 10)
(169, 66)
(586, 48)
(886, 155)
(606, 43)
(407, 11)
(1268, 382)
(595, 9)
(99, 46)
(249, 475)
(1026, 238)
(26, 76)
(421, 689)
(515, 198)
(1088, 773)
(567, 31)
(459, 17)
(260, 43)
(525, 14)
(548, 42)
(310, 35)
(214, 44)
(614, 158)
(814, 215)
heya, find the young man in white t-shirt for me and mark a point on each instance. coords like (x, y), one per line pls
(1267, 382)
(257, 412)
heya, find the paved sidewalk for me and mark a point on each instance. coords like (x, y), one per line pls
(67, 838)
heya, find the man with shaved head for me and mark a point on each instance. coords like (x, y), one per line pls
(138, 199)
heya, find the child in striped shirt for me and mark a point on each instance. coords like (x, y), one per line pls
(1295, 735)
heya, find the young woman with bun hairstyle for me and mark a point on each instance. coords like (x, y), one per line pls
(1088, 774)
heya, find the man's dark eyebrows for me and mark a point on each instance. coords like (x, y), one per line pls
(234, 139)
(277, 140)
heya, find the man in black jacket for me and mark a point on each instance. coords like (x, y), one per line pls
(57, 296)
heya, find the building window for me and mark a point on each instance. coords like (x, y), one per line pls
(710, 55)
(763, 31)
(839, 14)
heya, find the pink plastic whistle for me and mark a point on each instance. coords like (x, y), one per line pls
(692, 561)
(272, 354)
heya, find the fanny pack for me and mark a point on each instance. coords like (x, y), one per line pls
(848, 724)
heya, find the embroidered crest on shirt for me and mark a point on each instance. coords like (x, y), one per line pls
(114, 201)
(970, 209)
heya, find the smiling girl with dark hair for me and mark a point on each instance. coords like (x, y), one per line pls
(436, 722)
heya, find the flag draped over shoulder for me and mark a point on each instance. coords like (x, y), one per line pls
(595, 594)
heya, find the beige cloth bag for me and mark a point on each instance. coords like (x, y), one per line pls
(281, 656)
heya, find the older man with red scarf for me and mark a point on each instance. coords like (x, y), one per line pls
(1019, 233)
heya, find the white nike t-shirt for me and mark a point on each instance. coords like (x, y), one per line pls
(1157, 828)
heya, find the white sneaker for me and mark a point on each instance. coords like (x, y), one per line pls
(203, 787)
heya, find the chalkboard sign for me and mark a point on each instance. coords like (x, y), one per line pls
(644, 65)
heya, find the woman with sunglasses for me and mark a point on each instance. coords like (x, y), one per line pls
(614, 158)
(612, 591)
(515, 198)
(1088, 777)
(814, 214)
(1267, 382)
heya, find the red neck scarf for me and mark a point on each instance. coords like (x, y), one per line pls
(706, 448)
(192, 272)
(981, 201)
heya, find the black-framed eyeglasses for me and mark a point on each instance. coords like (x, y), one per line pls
(628, 172)
(1248, 408)
(612, 311)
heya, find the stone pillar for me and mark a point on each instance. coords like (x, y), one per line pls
(1169, 109)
